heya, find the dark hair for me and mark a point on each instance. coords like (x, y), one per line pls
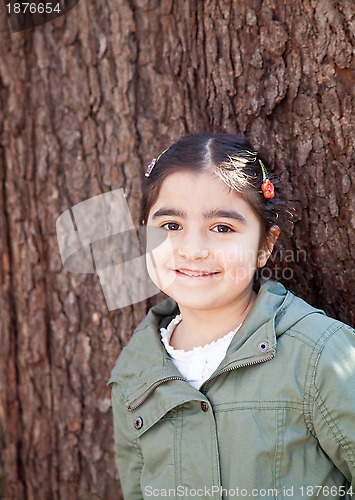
(231, 157)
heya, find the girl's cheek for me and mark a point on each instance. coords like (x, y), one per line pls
(160, 279)
(152, 270)
(240, 274)
(236, 254)
(159, 259)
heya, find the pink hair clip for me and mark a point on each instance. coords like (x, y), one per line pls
(150, 167)
(152, 164)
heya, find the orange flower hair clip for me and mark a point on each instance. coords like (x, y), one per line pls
(267, 186)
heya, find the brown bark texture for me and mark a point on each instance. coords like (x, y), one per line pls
(86, 101)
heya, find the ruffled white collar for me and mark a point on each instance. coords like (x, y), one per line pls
(208, 350)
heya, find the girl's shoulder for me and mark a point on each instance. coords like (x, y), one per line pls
(323, 334)
(145, 349)
(290, 313)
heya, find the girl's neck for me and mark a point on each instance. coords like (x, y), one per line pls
(201, 327)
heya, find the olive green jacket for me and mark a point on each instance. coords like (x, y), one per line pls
(276, 419)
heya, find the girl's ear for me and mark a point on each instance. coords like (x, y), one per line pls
(267, 246)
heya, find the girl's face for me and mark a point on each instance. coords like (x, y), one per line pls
(211, 242)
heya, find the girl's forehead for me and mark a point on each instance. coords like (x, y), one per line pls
(190, 190)
(194, 182)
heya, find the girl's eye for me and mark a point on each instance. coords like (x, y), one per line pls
(171, 226)
(221, 228)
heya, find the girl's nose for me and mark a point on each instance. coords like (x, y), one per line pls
(194, 249)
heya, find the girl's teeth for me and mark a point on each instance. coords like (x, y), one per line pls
(194, 274)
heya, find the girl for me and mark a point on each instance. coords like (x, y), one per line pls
(232, 386)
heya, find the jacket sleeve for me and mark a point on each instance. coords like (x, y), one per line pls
(128, 456)
(333, 388)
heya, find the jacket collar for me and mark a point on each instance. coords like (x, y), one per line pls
(144, 362)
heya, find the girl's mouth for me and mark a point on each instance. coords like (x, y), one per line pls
(195, 274)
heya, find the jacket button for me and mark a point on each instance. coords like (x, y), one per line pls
(204, 406)
(263, 346)
(138, 423)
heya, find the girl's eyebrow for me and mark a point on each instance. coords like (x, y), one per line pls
(227, 214)
(163, 212)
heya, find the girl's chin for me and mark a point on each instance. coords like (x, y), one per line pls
(194, 298)
(177, 280)
(197, 305)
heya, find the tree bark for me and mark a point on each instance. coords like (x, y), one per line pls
(86, 101)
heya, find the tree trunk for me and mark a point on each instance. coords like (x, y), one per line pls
(86, 101)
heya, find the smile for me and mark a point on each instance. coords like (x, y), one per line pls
(195, 274)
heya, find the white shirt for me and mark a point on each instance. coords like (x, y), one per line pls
(198, 364)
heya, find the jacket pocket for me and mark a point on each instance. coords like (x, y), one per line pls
(257, 435)
(180, 453)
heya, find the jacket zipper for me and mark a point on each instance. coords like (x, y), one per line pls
(146, 394)
(240, 364)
